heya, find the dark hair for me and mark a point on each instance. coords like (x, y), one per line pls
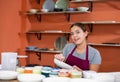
(82, 26)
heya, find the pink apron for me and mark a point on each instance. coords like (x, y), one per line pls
(82, 64)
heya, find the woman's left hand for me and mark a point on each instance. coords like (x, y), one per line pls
(77, 68)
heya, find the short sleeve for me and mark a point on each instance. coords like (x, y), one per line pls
(96, 59)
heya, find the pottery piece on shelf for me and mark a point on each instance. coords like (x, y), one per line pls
(60, 42)
(62, 4)
(49, 4)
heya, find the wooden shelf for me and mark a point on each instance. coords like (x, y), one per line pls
(67, 13)
(90, 23)
(99, 22)
(49, 31)
(38, 34)
(44, 51)
(105, 44)
(74, 1)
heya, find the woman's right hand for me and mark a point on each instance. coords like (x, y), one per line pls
(60, 57)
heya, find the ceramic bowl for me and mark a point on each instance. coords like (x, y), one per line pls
(8, 75)
(44, 10)
(104, 77)
(82, 9)
(58, 9)
(71, 9)
(31, 47)
(33, 11)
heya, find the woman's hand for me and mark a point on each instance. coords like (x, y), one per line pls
(60, 57)
(77, 68)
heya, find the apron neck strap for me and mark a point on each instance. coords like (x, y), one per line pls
(87, 52)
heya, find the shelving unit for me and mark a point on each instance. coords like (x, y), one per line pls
(39, 34)
(67, 13)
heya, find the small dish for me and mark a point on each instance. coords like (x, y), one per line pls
(34, 11)
(31, 47)
(44, 10)
(71, 9)
(58, 9)
(84, 9)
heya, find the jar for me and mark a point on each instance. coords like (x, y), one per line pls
(76, 74)
(20, 70)
(64, 73)
(46, 71)
(28, 70)
(37, 70)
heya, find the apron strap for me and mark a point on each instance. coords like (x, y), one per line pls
(87, 52)
(73, 50)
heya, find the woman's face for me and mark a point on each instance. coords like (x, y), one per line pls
(77, 35)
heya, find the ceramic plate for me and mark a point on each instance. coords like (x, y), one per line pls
(62, 64)
(30, 77)
(8, 75)
(56, 79)
(60, 42)
(83, 80)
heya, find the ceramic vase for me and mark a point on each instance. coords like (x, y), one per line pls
(62, 4)
(49, 4)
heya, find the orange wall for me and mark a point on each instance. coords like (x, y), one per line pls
(12, 23)
(9, 25)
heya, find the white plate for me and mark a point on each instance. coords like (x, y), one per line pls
(30, 77)
(62, 64)
(60, 42)
(56, 79)
(83, 80)
(8, 75)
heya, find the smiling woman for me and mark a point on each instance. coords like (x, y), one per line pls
(78, 54)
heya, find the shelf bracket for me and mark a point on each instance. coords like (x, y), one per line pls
(38, 17)
(38, 1)
(38, 35)
(28, 37)
(90, 6)
(39, 55)
(90, 27)
(67, 16)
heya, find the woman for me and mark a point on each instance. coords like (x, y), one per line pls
(78, 54)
